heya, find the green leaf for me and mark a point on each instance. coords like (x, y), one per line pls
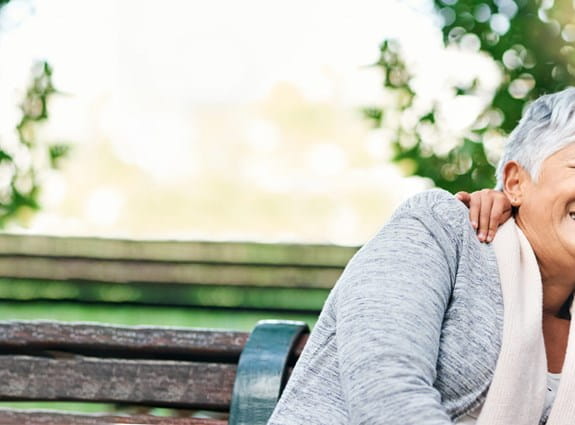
(527, 49)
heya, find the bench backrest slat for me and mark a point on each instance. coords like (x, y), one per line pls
(177, 251)
(140, 341)
(146, 382)
(165, 272)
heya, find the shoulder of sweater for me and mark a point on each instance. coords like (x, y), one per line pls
(438, 207)
(446, 219)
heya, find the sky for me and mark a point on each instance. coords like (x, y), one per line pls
(222, 119)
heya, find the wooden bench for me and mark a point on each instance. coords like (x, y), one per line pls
(288, 280)
(236, 375)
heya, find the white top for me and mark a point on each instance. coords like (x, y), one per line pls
(552, 387)
(518, 390)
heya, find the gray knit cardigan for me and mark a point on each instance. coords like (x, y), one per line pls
(411, 332)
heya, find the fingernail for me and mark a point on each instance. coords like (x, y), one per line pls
(474, 224)
(481, 236)
(489, 238)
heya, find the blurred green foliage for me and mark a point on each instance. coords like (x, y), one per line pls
(532, 44)
(22, 162)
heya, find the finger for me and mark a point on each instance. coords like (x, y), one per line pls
(506, 209)
(500, 213)
(474, 208)
(506, 213)
(484, 215)
(464, 197)
(496, 219)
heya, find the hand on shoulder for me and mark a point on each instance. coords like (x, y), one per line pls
(488, 209)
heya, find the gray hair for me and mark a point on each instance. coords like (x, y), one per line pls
(547, 126)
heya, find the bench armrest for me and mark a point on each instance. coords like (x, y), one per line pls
(263, 370)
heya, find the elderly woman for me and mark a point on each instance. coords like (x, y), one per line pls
(429, 326)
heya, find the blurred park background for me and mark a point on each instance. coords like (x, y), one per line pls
(214, 163)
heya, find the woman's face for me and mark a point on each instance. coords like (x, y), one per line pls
(547, 208)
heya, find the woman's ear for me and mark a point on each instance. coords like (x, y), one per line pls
(514, 179)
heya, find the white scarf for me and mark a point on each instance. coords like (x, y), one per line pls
(517, 393)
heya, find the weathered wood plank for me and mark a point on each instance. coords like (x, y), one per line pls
(187, 251)
(54, 268)
(36, 417)
(138, 340)
(145, 382)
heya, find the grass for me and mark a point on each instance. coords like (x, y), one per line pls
(136, 315)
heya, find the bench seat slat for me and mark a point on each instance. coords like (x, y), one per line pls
(34, 417)
(139, 340)
(191, 385)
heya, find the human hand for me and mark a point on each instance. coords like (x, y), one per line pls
(488, 209)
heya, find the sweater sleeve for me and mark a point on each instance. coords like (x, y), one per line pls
(390, 305)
